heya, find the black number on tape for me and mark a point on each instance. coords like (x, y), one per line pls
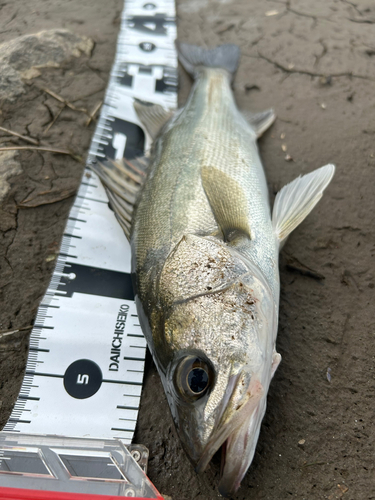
(95, 281)
(83, 379)
(155, 25)
(168, 83)
(125, 79)
(128, 135)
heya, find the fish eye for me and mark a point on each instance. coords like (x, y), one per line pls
(197, 380)
(193, 377)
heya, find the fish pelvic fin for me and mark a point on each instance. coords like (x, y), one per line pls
(122, 179)
(260, 122)
(224, 57)
(228, 203)
(296, 200)
(152, 116)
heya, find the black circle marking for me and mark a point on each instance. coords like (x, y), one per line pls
(149, 6)
(82, 379)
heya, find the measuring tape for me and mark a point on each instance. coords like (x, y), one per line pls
(86, 359)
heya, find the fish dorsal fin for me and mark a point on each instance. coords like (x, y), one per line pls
(152, 116)
(260, 122)
(228, 202)
(296, 200)
(122, 180)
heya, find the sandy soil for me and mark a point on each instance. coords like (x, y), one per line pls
(313, 61)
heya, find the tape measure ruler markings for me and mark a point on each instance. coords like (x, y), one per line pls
(85, 365)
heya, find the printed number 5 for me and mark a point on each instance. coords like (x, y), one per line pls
(82, 379)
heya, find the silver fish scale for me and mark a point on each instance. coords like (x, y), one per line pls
(218, 323)
(209, 132)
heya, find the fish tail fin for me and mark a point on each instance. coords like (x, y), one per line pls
(193, 57)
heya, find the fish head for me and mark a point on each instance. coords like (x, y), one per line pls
(215, 354)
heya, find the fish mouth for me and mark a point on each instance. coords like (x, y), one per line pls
(237, 434)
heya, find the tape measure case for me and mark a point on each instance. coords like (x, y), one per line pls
(62, 468)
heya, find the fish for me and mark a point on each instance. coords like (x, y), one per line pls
(205, 248)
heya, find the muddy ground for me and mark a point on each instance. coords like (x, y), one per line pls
(314, 62)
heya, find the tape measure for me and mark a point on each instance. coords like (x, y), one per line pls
(85, 365)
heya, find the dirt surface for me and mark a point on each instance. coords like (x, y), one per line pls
(313, 61)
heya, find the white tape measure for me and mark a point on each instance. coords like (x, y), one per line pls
(85, 366)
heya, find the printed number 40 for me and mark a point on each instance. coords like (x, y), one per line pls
(82, 379)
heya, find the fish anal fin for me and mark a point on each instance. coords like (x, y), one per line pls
(296, 200)
(152, 116)
(228, 202)
(260, 122)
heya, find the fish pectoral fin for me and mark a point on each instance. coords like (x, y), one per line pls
(228, 202)
(152, 116)
(122, 180)
(260, 122)
(296, 200)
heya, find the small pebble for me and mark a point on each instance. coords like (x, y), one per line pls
(343, 488)
(325, 80)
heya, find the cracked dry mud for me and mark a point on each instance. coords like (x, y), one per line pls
(313, 61)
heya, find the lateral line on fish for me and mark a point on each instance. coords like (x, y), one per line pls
(212, 292)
